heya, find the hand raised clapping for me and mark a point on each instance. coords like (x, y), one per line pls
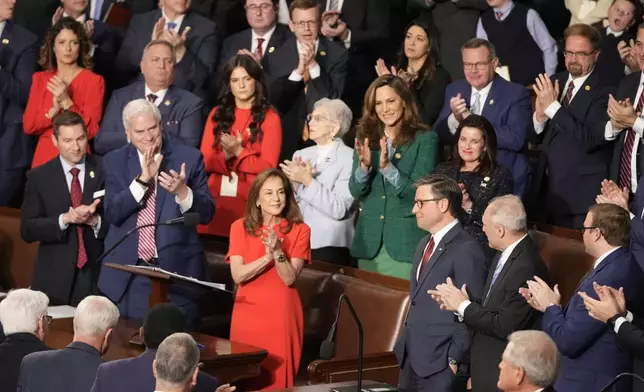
(364, 154)
(298, 171)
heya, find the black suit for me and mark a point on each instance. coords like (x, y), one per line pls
(12, 350)
(228, 15)
(631, 336)
(290, 98)
(47, 195)
(71, 369)
(503, 311)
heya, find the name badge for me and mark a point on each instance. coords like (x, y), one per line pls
(229, 185)
(98, 194)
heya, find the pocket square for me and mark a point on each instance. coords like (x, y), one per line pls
(98, 194)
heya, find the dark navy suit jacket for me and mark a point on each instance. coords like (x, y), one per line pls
(179, 248)
(590, 355)
(135, 375)
(71, 369)
(181, 117)
(432, 334)
(18, 54)
(508, 109)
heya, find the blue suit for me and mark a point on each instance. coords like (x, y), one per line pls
(179, 248)
(18, 54)
(135, 375)
(590, 355)
(508, 109)
(181, 117)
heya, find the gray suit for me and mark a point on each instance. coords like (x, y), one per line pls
(71, 369)
(432, 336)
(326, 203)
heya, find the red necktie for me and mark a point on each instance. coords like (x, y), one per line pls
(568, 96)
(260, 48)
(499, 16)
(147, 215)
(427, 255)
(77, 197)
(625, 174)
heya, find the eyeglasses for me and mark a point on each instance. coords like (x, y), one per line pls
(621, 12)
(317, 118)
(583, 229)
(309, 24)
(481, 65)
(421, 202)
(568, 53)
(254, 7)
(48, 318)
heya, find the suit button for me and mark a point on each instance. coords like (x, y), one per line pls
(413, 303)
(382, 217)
(383, 197)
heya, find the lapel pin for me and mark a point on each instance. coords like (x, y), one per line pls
(397, 155)
(91, 174)
(167, 102)
(491, 102)
(587, 88)
(486, 179)
(271, 49)
(322, 53)
(5, 41)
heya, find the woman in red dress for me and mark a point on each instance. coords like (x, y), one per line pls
(65, 84)
(268, 249)
(243, 137)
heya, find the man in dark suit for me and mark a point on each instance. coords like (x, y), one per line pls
(176, 364)
(303, 71)
(587, 345)
(181, 111)
(530, 363)
(503, 309)
(570, 116)
(23, 315)
(506, 105)
(153, 179)
(447, 253)
(192, 36)
(18, 53)
(61, 210)
(73, 368)
(135, 374)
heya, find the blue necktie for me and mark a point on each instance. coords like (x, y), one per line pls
(171, 25)
(497, 271)
(97, 9)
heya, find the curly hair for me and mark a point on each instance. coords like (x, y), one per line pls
(370, 125)
(224, 116)
(48, 56)
(291, 212)
(427, 71)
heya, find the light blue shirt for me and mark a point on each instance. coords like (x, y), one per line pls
(81, 178)
(390, 172)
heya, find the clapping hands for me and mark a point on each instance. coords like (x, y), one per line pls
(81, 215)
(298, 171)
(611, 193)
(232, 145)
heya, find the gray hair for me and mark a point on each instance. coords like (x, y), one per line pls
(536, 353)
(475, 43)
(139, 107)
(21, 310)
(176, 359)
(160, 42)
(94, 316)
(508, 211)
(339, 112)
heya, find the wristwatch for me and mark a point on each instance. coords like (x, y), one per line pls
(613, 319)
(281, 258)
(140, 181)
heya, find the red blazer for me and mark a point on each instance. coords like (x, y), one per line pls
(256, 157)
(86, 91)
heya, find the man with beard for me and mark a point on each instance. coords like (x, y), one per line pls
(570, 116)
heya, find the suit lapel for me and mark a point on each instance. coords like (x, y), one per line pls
(418, 258)
(89, 183)
(105, 8)
(490, 275)
(60, 186)
(165, 108)
(166, 165)
(489, 106)
(321, 55)
(581, 100)
(133, 162)
(591, 274)
(435, 258)
(516, 252)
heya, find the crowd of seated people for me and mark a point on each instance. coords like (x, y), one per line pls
(415, 144)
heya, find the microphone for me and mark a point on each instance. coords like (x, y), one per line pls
(618, 377)
(188, 219)
(327, 348)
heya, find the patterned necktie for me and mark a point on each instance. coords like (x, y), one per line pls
(625, 174)
(333, 5)
(568, 97)
(77, 198)
(147, 216)
(171, 25)
(260, 48)
(427, 255)
(151, 97)
(305, 130)
(476, 103)
(499, 16)
(497, 271)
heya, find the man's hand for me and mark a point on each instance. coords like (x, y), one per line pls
(247, 52)
(607, 306)
(177, 41)
(459, 107)
(157, 30)
(618, 197)
(448, 296)
(150, 165)
(333, 26)
(225, 388)
(81, 215)
(175, 183)
(58, 15)
(621, 113)
(547, 93)
(307, 57)
(539, 295)
(89, 28)
(627, 54)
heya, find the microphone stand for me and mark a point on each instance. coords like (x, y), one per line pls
(618, 377)
(356, 319)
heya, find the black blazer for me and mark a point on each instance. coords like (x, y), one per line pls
(290, 99)
(631, 336)
(502, 312)
(12, 350)
(71, 369)
(627, 89)
(431, 95)
(46, 197)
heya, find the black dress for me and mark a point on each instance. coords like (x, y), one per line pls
(482, 188)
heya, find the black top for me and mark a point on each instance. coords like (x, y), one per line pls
(481, 189)
(431, 95)
(12, 350)
(609, 65)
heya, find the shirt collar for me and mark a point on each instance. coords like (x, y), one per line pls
(2, 25)
(81, 19)
(67, 167)
(178, 20)
(484, 91)
(505, 9)
(160, 94)
(508, 251)
(579, 81)
(441, 233)
(267, 36)
(615, 33)
(604, 256)
(299, 45)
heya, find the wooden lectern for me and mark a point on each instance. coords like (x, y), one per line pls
(160, 281)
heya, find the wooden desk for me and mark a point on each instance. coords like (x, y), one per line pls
(326, 387)
(226, 360)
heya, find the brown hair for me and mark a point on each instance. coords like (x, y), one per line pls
(68, 119)
(613, 222)
(48, 57)
(586, 31)
(302, 5)
(370, 125)
(444, 187)
(291, 213)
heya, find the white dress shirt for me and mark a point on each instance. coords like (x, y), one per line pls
(602, 257)
(178, 21)
(160, 95)
(453, 123)
(314, 72)
(611, 133)
(554, 107)
(255, 43)
(437, 240)
(2, 24)
(81, 179)
(505, 255)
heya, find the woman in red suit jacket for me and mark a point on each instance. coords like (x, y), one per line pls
(243, 137)
(65, 84)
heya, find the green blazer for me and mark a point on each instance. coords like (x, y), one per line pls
(386, 215)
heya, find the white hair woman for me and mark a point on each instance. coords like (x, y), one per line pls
(320, 175)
